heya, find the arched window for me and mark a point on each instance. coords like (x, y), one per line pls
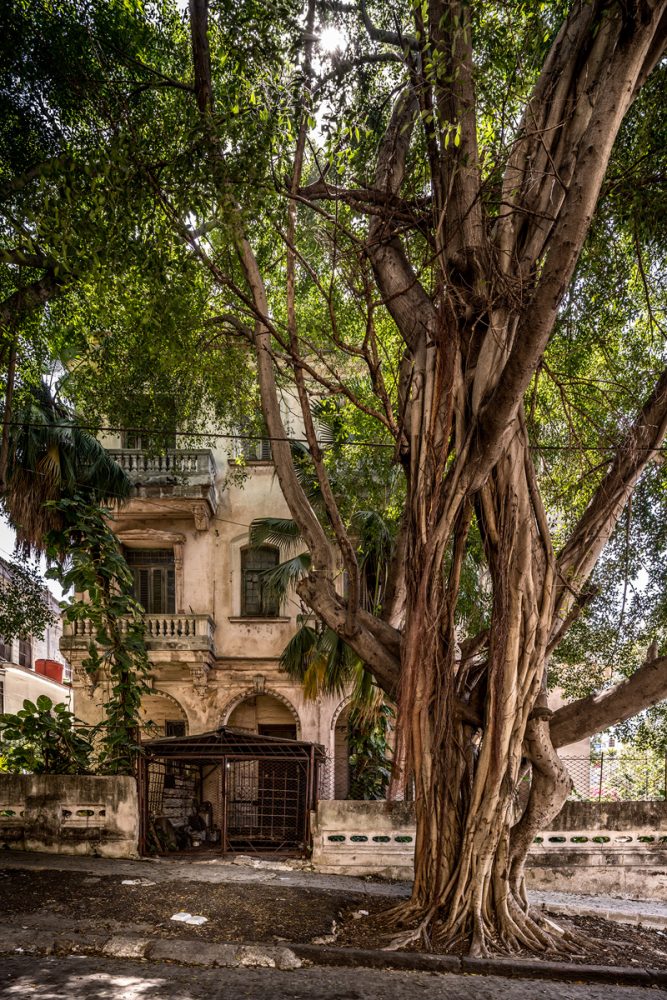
(257, 601)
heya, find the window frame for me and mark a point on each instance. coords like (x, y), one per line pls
(25, 654)
(153, 566)
(269, 605)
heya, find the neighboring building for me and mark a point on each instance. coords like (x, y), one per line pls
(34, 666)
(214, 636)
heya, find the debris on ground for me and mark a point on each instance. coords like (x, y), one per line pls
(189, 918)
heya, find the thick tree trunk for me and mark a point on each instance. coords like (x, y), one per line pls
(472, 839)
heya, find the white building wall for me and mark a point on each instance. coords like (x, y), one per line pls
(18, 683)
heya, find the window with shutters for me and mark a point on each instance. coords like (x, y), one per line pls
(5, 650)
(254, 446)
(258, 450)
(25, 653)
(154, 576)
(257, 600)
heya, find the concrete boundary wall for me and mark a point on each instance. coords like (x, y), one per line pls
(69, 814)
(617, 847)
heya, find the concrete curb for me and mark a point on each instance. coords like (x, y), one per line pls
(506, 967)
(211, 954)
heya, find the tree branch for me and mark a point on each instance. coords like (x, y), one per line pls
(201, 57)
(578, 557)
(591, 715)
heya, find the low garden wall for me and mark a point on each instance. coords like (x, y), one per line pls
(69, 814)
(614, 847)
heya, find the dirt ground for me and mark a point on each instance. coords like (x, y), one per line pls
(267, 913)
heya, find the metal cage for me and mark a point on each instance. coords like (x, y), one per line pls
(228, 791)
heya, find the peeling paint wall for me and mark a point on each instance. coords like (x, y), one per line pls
(69, 814)
(614, 847)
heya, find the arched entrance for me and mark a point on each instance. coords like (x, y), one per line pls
(161, 715)
(265, 714)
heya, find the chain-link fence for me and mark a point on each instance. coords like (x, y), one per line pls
(617, 776)
(610, 776)
(338, 778)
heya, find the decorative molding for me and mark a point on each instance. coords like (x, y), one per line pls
(252, 693)
(339, 711)
(159, 693)
(139, 537)
(201, 515)
(199, 678)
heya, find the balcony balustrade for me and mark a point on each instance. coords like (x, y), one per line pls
(161, 631)
(187, 466)
(183, 475)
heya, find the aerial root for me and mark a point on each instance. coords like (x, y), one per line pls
(418, 933)
(405, 913)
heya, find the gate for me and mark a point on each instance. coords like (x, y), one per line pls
(265, 807)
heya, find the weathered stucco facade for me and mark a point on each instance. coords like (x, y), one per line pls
(214, 653)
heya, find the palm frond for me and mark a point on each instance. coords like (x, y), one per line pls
(367, 702)
(296, 654)
(50, 458)
(327, 421)
(282, 532)
(280, 579)
(338, 661)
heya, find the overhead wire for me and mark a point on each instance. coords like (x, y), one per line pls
(290, 439)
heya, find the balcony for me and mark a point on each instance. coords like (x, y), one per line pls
(177, 632)
(185, 476)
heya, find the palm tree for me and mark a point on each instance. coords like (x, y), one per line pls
(52, 458)
(316, 657)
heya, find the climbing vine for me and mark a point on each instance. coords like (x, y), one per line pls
(86, 557)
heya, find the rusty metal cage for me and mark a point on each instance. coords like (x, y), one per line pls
(227, 791)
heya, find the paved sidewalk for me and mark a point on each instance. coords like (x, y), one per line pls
(649, 913)
(126, 934)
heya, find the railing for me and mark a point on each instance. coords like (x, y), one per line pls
(181, 464)
(158, 628)
(178, 626)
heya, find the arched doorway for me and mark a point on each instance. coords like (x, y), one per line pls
(265, 714)
(161, 715)
(265, 797)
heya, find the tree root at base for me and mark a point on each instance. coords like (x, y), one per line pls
(510, 930)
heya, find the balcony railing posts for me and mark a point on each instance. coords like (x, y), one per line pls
(157, 627)
(174, 463)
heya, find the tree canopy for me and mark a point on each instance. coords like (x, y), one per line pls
(451, 229)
